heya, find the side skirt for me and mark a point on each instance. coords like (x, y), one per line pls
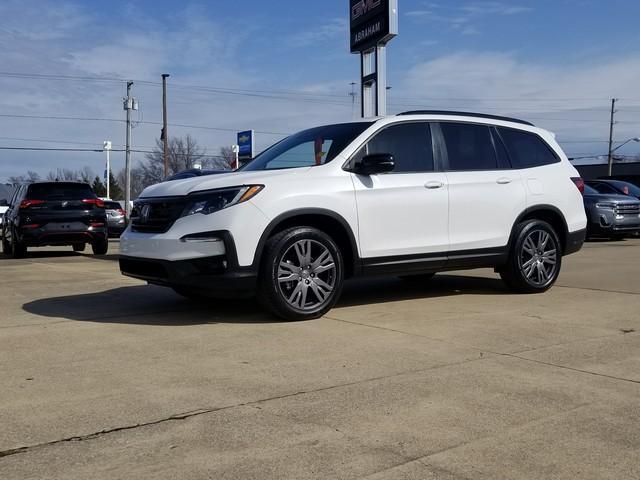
(435, 262)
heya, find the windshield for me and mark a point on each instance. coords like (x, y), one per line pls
(628, 188)
(308, 148)
(590, 190)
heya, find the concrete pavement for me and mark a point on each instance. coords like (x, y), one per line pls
(105, 377)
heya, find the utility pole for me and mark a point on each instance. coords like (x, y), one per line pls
(128, 106)
(106, 146)
(610, 155)
(165, 135)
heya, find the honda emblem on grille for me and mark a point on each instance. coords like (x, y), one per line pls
(144, 213)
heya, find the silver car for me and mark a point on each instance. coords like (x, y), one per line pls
(611, 215)
(116, 218)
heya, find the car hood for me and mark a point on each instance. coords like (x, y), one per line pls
(210, 182)
(611, 198)
(3, 209)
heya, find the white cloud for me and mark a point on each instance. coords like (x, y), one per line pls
(570, 99)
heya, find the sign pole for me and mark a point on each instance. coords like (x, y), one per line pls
(373, 24)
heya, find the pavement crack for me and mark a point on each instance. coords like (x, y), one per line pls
(204, 411)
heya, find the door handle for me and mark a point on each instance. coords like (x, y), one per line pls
(504, 180)
(433, 185)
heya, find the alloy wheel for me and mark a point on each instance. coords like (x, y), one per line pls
(307, 275)
(539, 258)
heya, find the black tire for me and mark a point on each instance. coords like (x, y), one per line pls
(6, 246)
(18, 249)
(418, 277)
(533, 272)
(315, 288)
(101, 247)
(79, 247)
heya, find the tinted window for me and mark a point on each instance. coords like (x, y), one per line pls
(308, 148)
(469, 146)
(589, 191)
(59, 190)
(603, 188)
(526, 149)
(112, 205)
(409, 143)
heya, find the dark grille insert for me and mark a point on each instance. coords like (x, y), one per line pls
(157, 215)
(141, 268)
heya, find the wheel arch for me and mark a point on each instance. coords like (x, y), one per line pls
(547, 213)
(328, 221)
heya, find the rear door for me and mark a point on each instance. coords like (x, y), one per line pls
(485, 195)
(402, 215)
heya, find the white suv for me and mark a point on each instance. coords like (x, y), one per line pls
(410, 195)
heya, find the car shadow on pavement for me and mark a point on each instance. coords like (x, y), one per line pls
(152, 305)
(38, 254)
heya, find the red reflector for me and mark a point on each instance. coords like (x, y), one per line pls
(579, 183)
(94, 201)
(97, 224)
(31, 225)
(28, 203)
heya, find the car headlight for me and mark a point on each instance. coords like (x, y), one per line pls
(610, 206)
(216, 200)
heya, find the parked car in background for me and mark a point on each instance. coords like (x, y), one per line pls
(193, 172)
(4, 206)
(615, 187)
(54, 213)
(611, 214)
(409, 195)
(116, 218)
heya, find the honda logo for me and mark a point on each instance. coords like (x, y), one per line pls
(362, 7)
(144, 213)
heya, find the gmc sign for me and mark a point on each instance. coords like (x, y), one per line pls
(372, 22)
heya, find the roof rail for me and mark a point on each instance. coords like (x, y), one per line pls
(465, 114)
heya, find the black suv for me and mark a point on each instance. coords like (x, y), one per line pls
(54, 213)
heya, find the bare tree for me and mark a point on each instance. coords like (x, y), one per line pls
(30, 177)
(227, 158)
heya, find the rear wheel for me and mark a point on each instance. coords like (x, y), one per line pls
(78, 247)
(6, 246)
(101, 247)
(302, 274)
(18, 249)
(535, 258)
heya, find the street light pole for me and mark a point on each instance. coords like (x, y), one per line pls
(128, 106)
(107, 148)
(165, 135)
(610, 155)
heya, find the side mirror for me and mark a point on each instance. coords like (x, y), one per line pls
(4, 203)
(374, 163)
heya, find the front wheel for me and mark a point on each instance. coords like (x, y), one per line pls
(6, 246)
(100, 247)
(535, 258)
(302, 274)
(18, 249)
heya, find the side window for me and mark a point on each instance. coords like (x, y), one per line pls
(409, 143)
(469, 146)
(526, 150)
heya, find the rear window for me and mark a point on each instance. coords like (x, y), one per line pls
(526, 150)
(112, 205)
(64, 191)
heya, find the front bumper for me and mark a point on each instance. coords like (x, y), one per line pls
(215, 275)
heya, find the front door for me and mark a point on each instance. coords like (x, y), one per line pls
(403, 214)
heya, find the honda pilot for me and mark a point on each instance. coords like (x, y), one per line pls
(410, 195)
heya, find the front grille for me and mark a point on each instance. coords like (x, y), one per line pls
(628, 209)
(156, 215)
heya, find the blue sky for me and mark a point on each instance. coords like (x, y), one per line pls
(555, 62)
